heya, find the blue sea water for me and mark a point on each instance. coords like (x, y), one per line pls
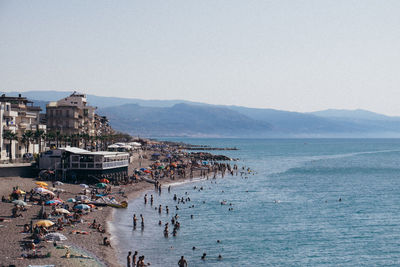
(287, 214)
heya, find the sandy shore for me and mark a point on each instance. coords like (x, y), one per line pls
(88, 245)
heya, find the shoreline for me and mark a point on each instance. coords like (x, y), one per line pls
(135, 195)
(91, 244)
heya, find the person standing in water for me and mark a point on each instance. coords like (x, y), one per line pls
(134, 258)
(128, 259)
(134, 221)
(182, 262)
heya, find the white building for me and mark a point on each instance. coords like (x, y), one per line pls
(17, 116)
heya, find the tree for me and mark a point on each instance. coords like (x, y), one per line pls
(85, 138)
(58, 137)
(50, 136)
(39, 136)
(27, 138)
(10, 136)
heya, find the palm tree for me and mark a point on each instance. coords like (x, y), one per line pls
(39, 136)
(66, 138)
(10, 136)
(58, 137)
(85, 138)
(26, 138)
(50, 136)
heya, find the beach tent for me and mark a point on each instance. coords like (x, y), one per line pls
(84, 185)
(135, 144)
(44, 223)
(19, 203)
(82, 207)
(55, 237)
(119, 144)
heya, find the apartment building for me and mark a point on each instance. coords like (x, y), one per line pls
(17, 116)
(102, 126)
(71, 115)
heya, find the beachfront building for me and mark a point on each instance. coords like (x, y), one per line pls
(71, 115)
(20, 127)
(102, 126)
(75, 164)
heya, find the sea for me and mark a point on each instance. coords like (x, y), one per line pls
(305, 202)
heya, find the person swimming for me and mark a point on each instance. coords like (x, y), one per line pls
(204, 256)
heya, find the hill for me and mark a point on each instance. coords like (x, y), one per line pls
(185, 118)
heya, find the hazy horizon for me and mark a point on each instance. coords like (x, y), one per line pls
(298, 56)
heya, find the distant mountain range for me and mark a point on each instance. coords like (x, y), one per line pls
(158, 118)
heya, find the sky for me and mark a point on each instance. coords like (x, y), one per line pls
(291, 55)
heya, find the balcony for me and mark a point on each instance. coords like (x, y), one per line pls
(23, 125)
(10, 127)
(99, 165)
(10, 113)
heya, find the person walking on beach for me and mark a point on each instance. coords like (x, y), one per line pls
(182, 262)
(128, 259)
(151, 200)
(145, 199)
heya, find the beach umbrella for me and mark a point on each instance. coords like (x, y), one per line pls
(84, 185)
(44, 223)
(81, 197)
(19, 192)
(19, 203)
(51, 202)
(41, 183)
(161, 167)
(63, 211)
(173, 164)
(58, 183)
(55, 237)
(43, 191)
(71, 200)
(82, 207)
(142, 169)
(147, 171)
(101, 185)
(104, 181)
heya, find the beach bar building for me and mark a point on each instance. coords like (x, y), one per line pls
(75, 164)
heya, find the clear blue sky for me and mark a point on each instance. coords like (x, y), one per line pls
(292, 55)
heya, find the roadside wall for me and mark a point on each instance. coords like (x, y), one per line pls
(22, 171)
